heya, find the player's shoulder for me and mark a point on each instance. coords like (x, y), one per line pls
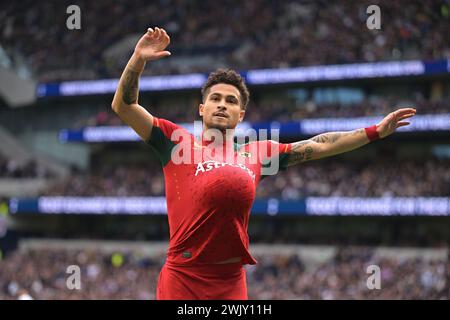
(265, 147)
(167, 126)
(165, 130)
(161, 123)
(260, 143)
(257, 146)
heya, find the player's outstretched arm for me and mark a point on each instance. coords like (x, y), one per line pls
(332, 143)
(125, 104)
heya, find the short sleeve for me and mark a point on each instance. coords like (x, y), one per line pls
(274, 157)
(161, 138)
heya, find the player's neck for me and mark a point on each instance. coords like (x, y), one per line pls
(219, 136)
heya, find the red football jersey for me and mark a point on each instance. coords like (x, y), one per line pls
(210, 195)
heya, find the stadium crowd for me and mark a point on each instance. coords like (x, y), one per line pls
(122, 180)
(249, 34)
(325, 177)
(344, 277)
(265, 110)
(9, 168)
(260, 33)
(270, 110)
(41, 274)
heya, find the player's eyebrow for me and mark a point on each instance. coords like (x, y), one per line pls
(228, 96)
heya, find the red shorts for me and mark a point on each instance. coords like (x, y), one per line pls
(204, 282)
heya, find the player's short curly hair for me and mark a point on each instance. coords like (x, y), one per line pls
(227, 76)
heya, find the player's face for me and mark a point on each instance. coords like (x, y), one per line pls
(222, 107)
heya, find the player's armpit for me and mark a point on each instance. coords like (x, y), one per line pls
(303, 151)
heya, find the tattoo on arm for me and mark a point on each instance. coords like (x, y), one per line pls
(301, 151)
(332, 137)
(130, 87)
(304, 150)
(356, 132)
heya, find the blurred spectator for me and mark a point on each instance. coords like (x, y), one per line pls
(265, 110)
(41, 274)
(256, 34)
(327, 177)
(10, 169)
(123, 180)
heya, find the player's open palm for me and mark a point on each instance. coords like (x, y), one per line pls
(152, 45)
(394, 120)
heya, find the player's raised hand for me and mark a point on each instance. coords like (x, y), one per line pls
(393, 121)
(152, 44)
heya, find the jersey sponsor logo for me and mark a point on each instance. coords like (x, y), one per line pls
(245, 154)
(209, 165)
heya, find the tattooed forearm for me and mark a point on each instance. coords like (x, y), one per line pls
(327, 137)
(130, 87)
(301, 151)
(326, 144)
(332, 137)
(357, 131)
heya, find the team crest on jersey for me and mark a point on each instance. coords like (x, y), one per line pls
(245, 154)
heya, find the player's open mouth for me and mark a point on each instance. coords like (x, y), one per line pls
(220, 115)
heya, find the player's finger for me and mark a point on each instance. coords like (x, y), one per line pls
(409, 115)
(163, 54)
(401, 124)
(166, 36)
(151, 33)
(409, 109)
(405, 110)
(158, 32)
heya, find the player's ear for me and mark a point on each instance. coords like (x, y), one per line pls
(241, 115)
(200, 109)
